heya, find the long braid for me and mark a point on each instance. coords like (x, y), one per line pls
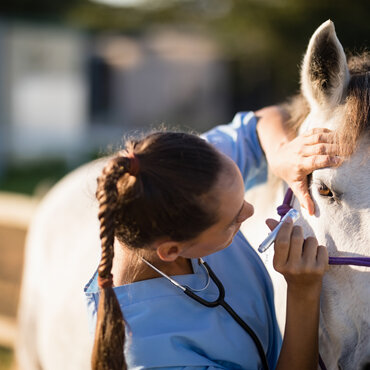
(110, 327)
(107, 198)
(151, 191)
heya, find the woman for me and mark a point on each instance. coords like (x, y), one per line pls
(172, 199)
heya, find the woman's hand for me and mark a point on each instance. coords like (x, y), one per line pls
(302, 262)
(293, 160)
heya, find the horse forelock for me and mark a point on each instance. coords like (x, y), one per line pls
(356, 106)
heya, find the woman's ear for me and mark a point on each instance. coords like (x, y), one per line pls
(168, 250)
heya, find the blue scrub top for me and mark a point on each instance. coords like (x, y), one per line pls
(239, 141)
(168, 330)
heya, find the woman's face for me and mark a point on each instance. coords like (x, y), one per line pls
(232, 211)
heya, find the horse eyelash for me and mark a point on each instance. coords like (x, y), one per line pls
(318, 183)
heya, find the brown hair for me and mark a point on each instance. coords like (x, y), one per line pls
(357, 110)
(356, 105)
(158, 188)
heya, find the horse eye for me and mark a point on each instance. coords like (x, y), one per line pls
(324, 191)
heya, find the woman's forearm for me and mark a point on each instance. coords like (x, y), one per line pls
(271, 129)
(300, 344)
(303, 263)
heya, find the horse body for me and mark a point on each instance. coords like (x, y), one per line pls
(62, 253)
(63, 245)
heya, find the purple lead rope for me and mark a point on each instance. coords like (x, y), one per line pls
(357, 261)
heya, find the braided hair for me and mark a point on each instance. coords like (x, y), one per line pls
(159, 187)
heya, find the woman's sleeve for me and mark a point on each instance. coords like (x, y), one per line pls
(239, 141)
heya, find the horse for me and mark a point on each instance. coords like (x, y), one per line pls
(63, 245)
(334, 95)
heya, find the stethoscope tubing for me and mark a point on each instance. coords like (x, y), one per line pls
(220, 301)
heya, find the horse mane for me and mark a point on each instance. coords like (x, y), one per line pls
(356, 104)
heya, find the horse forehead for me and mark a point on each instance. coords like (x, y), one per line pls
(323, 118)
(353, 174)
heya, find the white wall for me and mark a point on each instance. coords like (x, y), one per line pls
(164, 75)
(48, 90)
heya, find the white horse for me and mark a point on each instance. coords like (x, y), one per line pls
(342, 201)
(63, 244)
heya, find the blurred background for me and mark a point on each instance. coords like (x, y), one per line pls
(76, 76)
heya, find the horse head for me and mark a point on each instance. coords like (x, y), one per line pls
(338, 95)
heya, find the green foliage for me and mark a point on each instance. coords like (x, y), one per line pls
(6, 358)
(27, 177)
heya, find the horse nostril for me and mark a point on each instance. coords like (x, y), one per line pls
(366, 366)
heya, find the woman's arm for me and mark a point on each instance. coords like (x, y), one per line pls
(239, 141)
(300, 343)
(292, 159)
(249, 136)
(303, 264)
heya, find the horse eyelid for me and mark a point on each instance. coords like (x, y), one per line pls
(334, 194)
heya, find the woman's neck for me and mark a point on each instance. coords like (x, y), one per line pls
(128, 266)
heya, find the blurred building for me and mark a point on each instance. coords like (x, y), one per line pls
(65, 92)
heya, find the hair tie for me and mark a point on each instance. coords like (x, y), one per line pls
(106, 282)
(134, 164)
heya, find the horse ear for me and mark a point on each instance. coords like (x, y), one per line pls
(324, 75)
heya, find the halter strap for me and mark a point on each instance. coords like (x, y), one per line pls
(284, 208)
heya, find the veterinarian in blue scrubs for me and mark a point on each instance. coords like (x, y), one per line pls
(165, 328)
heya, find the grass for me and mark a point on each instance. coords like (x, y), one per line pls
(28, 177)
(6, 358)
(25, 178)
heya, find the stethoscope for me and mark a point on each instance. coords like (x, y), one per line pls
(220, 301)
